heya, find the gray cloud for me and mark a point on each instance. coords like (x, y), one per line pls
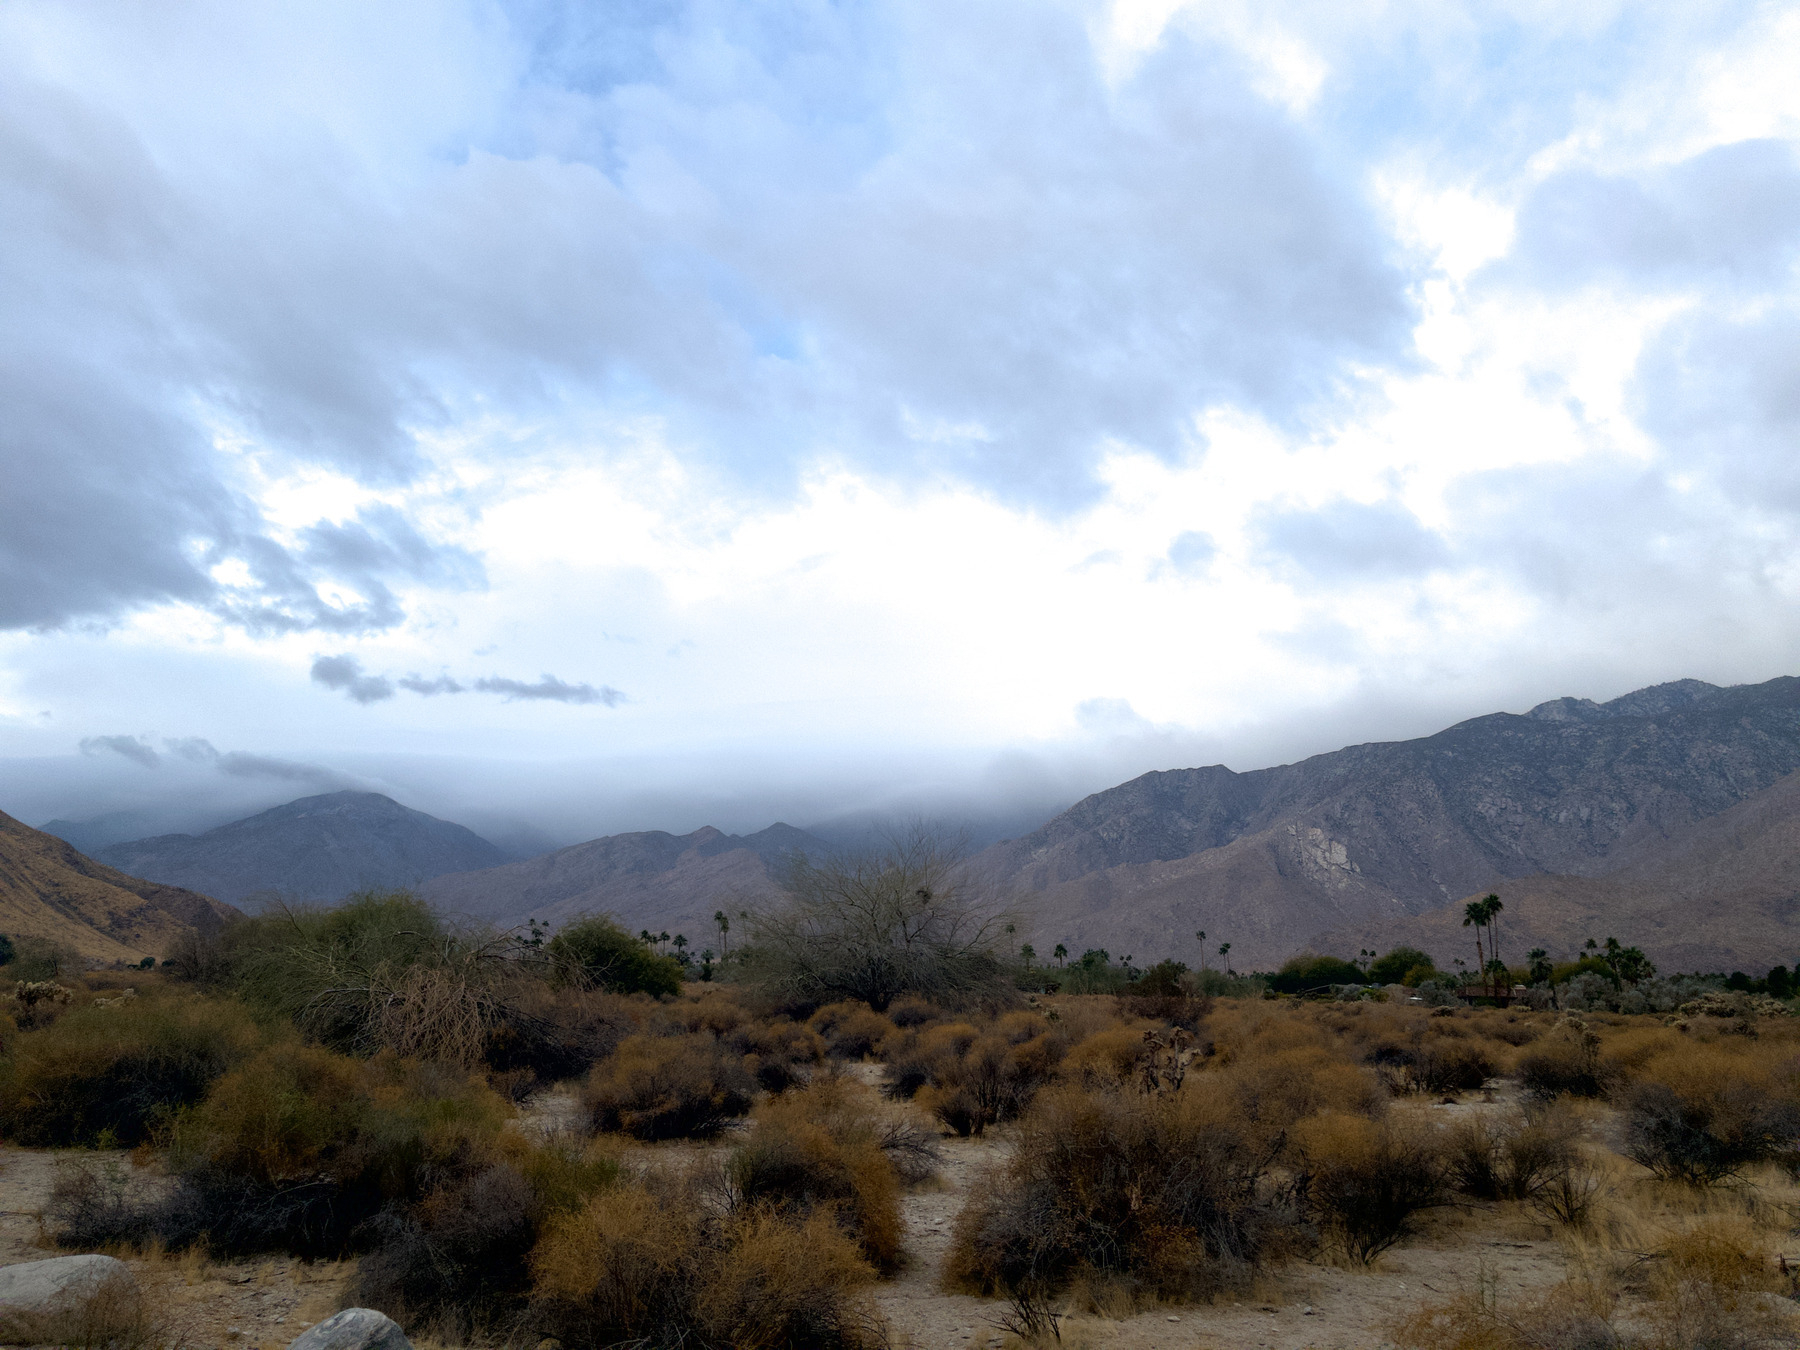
(133, 749)
(549, 687)
(953, 248)
(345, 673)
(1351, 539)
(240, 764)
(1732, 212)
(418, 684)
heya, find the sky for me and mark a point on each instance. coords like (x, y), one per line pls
(571, 418)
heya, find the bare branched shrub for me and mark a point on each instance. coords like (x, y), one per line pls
(668, 1087)
(907, 918)
(1701, 1112)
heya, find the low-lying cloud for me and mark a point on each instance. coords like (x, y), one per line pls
(231, 763)
(345, 674)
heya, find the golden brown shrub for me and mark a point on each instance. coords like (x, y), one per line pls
(668, 1087)
(820, 1150)
(851, 1030)
(1365, 1180)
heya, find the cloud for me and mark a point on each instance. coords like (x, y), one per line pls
(549, 687)
(241, 764)
(928, 239)
(345, 673)
(1731, 213)
(1350, 540)
(1191, 551)
(418, 684)
(133, 749)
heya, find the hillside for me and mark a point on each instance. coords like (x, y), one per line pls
(1273, 860)
(316, 848)
(50, 891)
(1721, 894)
(649, 879)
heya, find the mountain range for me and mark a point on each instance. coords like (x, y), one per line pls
(1669, 818)
(1364, 839)
(314, 849)
(49, 890)
(650, 879)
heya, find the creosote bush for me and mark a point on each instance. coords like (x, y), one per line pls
(685, 1086)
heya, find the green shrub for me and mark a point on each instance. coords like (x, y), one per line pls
(1402, 965)
(668, 1087)
(109, 1076)
(599, 953)
(1314, 974)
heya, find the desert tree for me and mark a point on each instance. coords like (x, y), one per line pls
(902, 916)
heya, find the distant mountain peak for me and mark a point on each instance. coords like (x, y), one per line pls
(321, 847)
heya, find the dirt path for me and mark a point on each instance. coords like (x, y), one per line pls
(251, 1305)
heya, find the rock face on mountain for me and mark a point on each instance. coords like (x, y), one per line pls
(50, 891)
(1273, 859)
(1720, 894)
(647, 880)
(316, 848)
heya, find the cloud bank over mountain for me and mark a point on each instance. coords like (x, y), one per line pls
(769, 390)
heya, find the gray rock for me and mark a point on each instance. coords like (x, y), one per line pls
(65, 1295)
(353, 1329)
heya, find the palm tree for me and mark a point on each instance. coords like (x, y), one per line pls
(1225, 955)
(1475, 916)
(724, 932)
(1493, 906)
(1202, 936)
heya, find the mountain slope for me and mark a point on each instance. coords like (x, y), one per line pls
(1272, 859)
(316, 848)
(648, 880)
(50, 891)
(1720, 894)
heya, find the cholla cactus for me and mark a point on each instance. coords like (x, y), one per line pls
(1165, 1058)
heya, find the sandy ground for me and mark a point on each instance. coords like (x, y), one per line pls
(265, 1303)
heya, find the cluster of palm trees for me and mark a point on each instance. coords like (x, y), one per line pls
(1483, 915)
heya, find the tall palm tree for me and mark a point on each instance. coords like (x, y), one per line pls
(1493, 906)
(1475, 916)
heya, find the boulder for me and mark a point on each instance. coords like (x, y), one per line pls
(353, 1329)
(83, 1297)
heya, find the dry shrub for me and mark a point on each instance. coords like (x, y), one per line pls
(109, 1076)
(820, 1151)
(1443, 1066)
(1166, 1194)
(111, 1314)
(1272, 1094)
(668, 1087)
(851, 1030)
(552, 1033)
(914, 1058)
(1516, 1157)
(909, 1010)
(457, 1262)
(1703, 1111)
(1365, 1181)
(1106, 1059)
(1715, 1290)
(779, 1284)
(1565, 1060)
(1575, 1315)
(646, 1265)
(293, 1151)
(777, 1053)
